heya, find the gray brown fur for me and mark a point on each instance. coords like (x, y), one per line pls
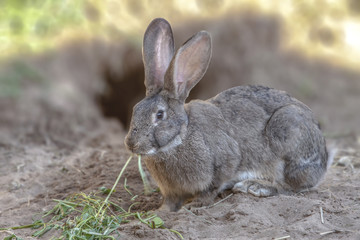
(250, 138)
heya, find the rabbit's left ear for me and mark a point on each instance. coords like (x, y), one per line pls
(188, 66)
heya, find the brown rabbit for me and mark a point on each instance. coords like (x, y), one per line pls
(250, 138)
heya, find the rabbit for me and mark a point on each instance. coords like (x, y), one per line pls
(251, 139)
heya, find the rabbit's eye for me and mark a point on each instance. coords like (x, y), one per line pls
(160, 115)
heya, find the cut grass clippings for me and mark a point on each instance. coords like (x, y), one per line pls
(82, 216)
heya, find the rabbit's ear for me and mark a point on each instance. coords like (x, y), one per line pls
(188, 66)
(158, 50)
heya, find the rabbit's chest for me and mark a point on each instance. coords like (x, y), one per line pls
(181, 171)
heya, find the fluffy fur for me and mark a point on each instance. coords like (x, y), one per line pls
(250, 138)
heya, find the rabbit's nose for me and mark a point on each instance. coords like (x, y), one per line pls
(130, 143)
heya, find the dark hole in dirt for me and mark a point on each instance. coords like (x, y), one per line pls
(123, 90)
(122, 95)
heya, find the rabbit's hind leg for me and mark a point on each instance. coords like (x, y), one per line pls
(256, 187)
(295, 138)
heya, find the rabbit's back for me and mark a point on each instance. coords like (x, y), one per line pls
(252, 106)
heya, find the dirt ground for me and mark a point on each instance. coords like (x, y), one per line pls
(55, 139)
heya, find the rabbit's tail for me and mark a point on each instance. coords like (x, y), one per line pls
(331, 155)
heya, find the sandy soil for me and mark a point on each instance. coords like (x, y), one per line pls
(55, 140)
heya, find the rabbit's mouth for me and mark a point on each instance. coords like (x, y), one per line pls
(152, 151)
(131, 145)
(144, 152)
(137, 149)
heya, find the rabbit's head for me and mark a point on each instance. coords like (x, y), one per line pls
(159, 121)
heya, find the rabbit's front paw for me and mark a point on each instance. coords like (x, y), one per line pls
(171, 205)
(258, 188)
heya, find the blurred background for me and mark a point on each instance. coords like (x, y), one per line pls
(325, 28)
(67, 56)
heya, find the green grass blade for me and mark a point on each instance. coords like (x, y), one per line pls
(115, 184)
(147, 187)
